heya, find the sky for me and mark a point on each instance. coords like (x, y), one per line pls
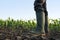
(24, 9)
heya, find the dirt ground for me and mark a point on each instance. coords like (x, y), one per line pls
(8, 34)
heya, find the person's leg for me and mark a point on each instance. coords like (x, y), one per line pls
(46, 17)
(46, 23)
(40, 16)
(46, 28)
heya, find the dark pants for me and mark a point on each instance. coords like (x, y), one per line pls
(41, 16)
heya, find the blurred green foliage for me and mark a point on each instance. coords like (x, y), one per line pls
(54, 24)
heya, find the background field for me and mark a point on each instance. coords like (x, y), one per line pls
(54, 24)
(13, 28)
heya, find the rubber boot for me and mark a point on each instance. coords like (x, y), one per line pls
(40, 15)
(46, 26)
(40, 22)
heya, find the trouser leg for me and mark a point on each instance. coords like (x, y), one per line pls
(40, 16)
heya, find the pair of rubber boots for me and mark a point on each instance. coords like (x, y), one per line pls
(42, 24)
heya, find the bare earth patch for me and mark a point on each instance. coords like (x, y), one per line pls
(6, 34)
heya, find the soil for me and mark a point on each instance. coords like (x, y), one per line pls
(18, 34)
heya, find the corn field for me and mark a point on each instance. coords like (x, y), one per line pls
(54, 24)
(11, 29)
